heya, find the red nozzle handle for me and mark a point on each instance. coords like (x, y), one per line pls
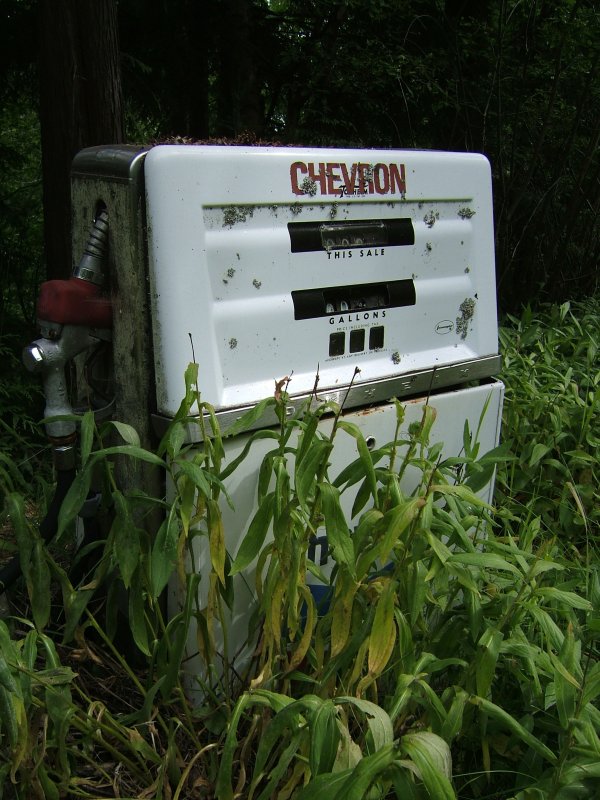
(74, 302)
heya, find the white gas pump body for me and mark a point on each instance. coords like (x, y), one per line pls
(281, 261)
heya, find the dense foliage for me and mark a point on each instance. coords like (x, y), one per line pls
(468, 667)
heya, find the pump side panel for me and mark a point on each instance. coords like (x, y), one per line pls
(281, 261)
(112, 177)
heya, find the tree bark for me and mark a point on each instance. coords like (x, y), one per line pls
(80, 105)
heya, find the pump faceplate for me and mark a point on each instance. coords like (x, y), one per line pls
(273, 272)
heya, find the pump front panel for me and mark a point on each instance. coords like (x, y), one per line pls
(273, 262)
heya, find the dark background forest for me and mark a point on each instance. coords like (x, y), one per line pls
(514, 79)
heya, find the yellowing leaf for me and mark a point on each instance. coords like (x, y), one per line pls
(342, 613)
(216, 539)
(383, 634)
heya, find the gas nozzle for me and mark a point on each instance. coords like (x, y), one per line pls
(74, 316)
(49, 358)
(91, 264)
(79, 301)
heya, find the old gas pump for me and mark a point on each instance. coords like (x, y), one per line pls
(374, 268)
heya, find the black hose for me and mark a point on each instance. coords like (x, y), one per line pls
(10, 572)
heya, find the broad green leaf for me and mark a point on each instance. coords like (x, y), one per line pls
(378, 720)
(173, 439)
(486, 659)
(394, 522)
(539, 451)
(86, 436)
(59, 704)
(483, 560)
(191, 376)
(348, 754)
(461, 491)
(137, 618)
(416, 590)
(355, 471)
(427, 420)
(581, 770)
(128, 433)
(338, 535)
(502, 716)
(286, 719)
(565, 598)
(324, 738)
(479, 476)
(404, 693)
(547, 624)
(29, 655)
(341, 618)
(255, 537)
(365, 774)
(273, 700)
(249, 418)
(565, 693)
(6, 677)
(361, 499)
(164, 553)
(305, 640)
(126, 538)
(75, 602)
(431, 701)
(431, 755)
(307, 470)
(177, 634)
(8, 716)
(323, 786)
(402, 774)
(454, 718)
(194, 473)
(591, 687)
(280, 768)
(129, 450)
(216, 539)
(383, 633)
(541, 566)
(364, 454)
(75, 498)
(233, 465)
(566, 685)
(439, 548)
(15, 508)
(39, 591)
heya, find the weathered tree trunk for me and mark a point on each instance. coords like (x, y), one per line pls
(80, 105)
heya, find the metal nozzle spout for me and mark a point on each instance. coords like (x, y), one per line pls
(91, 264)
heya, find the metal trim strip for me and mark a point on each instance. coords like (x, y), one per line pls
(410, 384)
